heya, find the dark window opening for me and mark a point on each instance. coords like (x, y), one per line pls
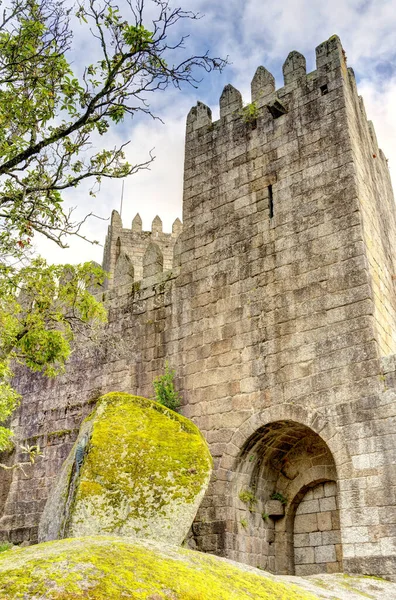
(324, 89)
(270, 201)
(253, 124)
(276, 108)
(118, 248)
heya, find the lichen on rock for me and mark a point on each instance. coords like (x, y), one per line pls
(136, 469)
(104, 567)
(108, 567)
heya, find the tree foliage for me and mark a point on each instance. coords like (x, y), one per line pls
(49, 116)
(42, 307)
(164, 389)
(53, 126)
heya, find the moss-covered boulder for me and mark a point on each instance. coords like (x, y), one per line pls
(136, 469)
(114, 568)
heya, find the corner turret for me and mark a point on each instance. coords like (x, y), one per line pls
(126, 254)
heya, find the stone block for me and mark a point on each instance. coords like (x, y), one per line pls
(331, 537)
(315, 539)
(274, 508)
(306, 570)
(309, 506)
(356, 535)
(304, 555)
(325, 554)
(307, 523)
(327, 504)
(301, 539)
(324, 521)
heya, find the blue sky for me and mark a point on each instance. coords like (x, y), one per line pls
(250, 33)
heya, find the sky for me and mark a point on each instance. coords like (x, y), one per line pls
(250, 33)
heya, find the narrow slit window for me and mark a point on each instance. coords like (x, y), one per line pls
(324, 89)
(270, 201)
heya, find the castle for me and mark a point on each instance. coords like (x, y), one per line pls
(275, 303)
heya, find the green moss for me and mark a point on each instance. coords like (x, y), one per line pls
(248, 497)
(249, 113)
(141, 459)
(4, 546)
(99, 568)
(60, 433)
(349, 585)
(280, 497)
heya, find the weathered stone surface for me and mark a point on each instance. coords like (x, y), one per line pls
(99, 568)
(274, 508)
(136, 469)
(316, 531)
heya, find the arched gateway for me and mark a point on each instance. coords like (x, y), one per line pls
(285, 501)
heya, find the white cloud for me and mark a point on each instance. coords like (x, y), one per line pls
(380, 108)
(251, 32)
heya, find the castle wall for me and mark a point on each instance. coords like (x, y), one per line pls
(378, 216)
(132, 244)
(317, 538)
(275, 316)
(128, 353)
(275, 247)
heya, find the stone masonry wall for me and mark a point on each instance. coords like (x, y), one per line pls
(129, 352)
(132, 245)
(317, 536)
(275, 315)
(378, 217)
(280, 292)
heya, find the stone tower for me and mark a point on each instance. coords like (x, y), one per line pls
(128, 252)
(277, 313)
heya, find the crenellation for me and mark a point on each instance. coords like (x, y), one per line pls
(177, 227)
(373, 136)
(137, 224)
(294, 67)
(230, 101)
(130, 245)
(116, 222)
(156, 226)
(329, 55)
(262, 86)
(199, 116)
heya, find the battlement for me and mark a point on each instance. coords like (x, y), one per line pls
(131, 255)
(267, 104)
(272, 159)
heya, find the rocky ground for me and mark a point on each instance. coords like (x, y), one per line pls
(112, 568)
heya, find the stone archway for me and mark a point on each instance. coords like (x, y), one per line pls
(280, 464)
